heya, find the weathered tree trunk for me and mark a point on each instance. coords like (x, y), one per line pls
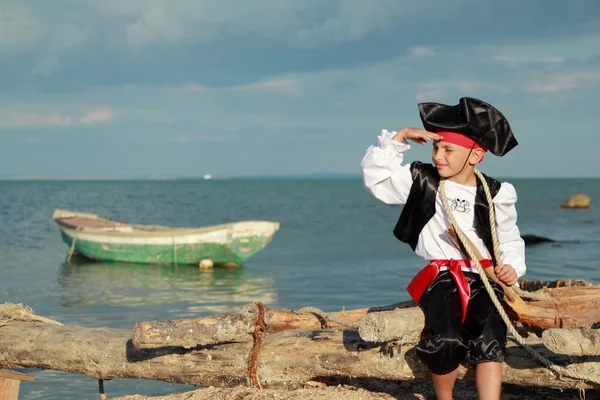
(109, 354)
(237, 327)
(286, 359)
(573, 342)
(190, 333)
(404, 326)
(573, 307)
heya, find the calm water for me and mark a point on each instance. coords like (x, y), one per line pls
(334, 249)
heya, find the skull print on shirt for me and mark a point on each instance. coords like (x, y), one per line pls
(459, 205)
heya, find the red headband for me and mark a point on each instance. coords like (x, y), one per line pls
(460, 140)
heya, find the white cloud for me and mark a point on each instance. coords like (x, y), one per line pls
(48, 35)
(168, 22)
(514, 61)
(438, 91)
(46, 65)
(18, 119)
(554, 52)
(63, 39)
(420, 51)
(97, 115)
(20, 29)
(559, 83)
(281, 85)
(284, 85)
(199, 137)
(60, 26)
(430, 92)
(191, 87)
(15, 118)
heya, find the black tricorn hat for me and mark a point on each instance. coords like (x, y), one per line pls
(472, 118)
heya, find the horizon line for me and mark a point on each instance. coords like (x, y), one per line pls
(235, 177)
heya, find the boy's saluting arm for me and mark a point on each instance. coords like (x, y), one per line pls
(383, 173)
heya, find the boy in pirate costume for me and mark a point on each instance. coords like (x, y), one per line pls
(461, 322)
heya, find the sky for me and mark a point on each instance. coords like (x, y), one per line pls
(180, 88)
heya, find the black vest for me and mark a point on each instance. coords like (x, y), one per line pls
(420, 206)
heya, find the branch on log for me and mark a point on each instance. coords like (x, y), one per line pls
(573, 342)
(287, 359)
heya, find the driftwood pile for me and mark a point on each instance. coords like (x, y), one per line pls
(278, 348)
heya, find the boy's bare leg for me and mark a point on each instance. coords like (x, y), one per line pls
(488, 376)
(444, 384)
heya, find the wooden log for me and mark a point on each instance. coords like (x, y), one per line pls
(573, 342)
(236, 327)
(404, 326)
(573, 307)
(106, 353)
(286, 359)
(190, 333)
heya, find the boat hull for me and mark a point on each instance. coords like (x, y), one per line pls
(225, 245)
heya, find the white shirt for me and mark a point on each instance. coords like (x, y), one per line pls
(390, 181)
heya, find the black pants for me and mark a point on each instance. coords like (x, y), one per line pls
(445, 342)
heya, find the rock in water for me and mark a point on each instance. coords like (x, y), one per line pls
(578, 200)
(534, 239)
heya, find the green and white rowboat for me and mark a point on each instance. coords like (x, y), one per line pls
(97, 238)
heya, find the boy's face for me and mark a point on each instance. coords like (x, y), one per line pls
(450, 159)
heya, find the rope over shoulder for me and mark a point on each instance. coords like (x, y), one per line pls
(561, 371)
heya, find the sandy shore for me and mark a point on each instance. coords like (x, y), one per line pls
(413, 390)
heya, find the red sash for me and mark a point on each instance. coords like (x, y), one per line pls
(421, 281)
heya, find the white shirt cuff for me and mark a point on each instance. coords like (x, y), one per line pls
(385, 140)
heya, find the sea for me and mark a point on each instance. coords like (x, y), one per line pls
(334, 250)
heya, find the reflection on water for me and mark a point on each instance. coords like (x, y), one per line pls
(132, 285)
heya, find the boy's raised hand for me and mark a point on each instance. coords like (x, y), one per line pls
(506, 274)
(417, 135)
